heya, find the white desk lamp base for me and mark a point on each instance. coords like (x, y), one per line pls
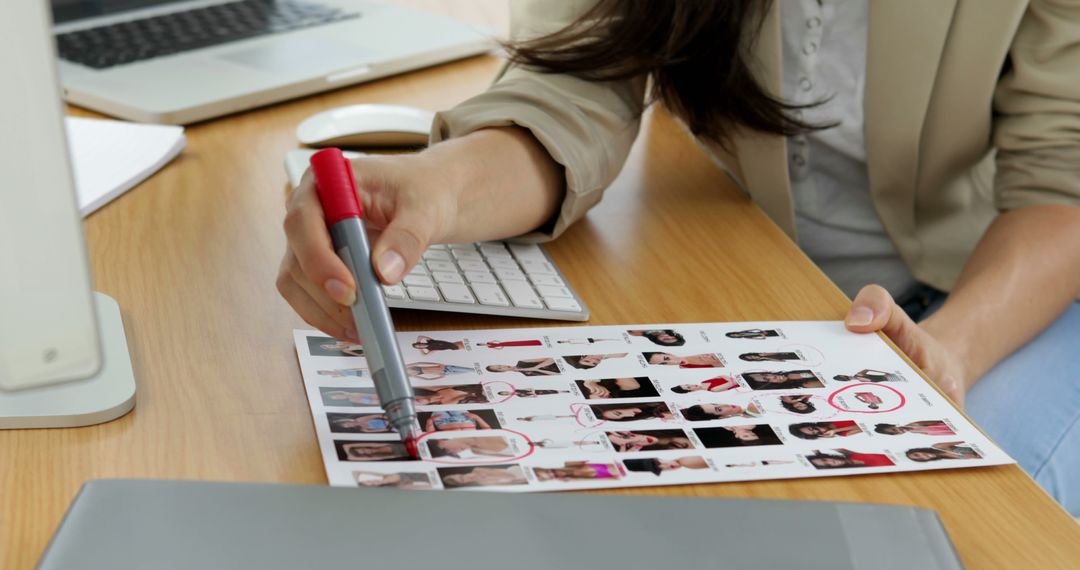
(98, 399)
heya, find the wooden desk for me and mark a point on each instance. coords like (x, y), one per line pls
(191, 256)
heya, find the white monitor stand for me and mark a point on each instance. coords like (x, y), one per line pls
(63, 355)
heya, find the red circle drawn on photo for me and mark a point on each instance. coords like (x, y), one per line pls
(485, 433)
(513, 389)
(807, 351)
(867, 386)
(577, 410)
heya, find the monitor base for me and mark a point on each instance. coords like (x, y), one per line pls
(94, 400)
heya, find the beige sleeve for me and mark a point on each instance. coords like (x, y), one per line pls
(1037, 131)
(586, 126)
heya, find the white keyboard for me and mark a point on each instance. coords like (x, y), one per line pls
(490, 278)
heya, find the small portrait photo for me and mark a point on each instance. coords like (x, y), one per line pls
(762, 463)
(586, 340)
(426, 345)
(499, 345)
(588, 361)
(434, 370)
(845, 458)
(349, 397)
(818, 430)
(450, 395)
(945, 450)
(358, 423)
(798, 403)
(794, 379)
(371, 451)
(528, 392)
(710, 412)
(580, 471)
(328, 346)
(705, 360)
(482, 476)
(868, 398)
(480, 448)
(755, 334)
(715, 384)
(662, 337)
(632, 412)
(344, 373)
(924, 427)
(737, 436)
(770, 356)
(458, 420)
(869, 375)
(529, 367)
(615, 388)
(648, 440)
(397, 480)
(658, 466)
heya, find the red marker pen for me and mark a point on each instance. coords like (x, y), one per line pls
(336, 187)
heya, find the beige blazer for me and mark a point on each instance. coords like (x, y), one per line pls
(971, 107)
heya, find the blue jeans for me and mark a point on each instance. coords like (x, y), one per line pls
(1030, 403)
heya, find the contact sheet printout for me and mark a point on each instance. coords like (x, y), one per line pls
(562, 408)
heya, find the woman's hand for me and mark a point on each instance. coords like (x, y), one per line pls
(875, 310)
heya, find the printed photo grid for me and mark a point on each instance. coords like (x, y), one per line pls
(521, 410)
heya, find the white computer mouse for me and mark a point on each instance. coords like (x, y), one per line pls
(367, 126)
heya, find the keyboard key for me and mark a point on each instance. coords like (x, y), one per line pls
(473, 266)
(507, 262)
(480, 277)
(446, 277)
(490, 294)
(549, 291)
(505, 274)
(529, 251)
(418, 281)
(468, 255)
(495, 248)
(562, 304)
(542, 279)
(538, 267)
(441, 266)
(439, 246)
(423, 293)
(523, 295)
(436, 255)
(418, 270)
(456, 293)
(394, 291)
(463, 246)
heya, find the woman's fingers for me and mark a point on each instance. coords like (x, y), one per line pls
(309, 241)
(305, 306)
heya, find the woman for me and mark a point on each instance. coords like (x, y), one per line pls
(706, 360)
(580, 470)
(483, 477)
(870, 375)
(433, 370)
(466, 447)
(708, 412)
(769, 356)
(587, 361)
(939, 451)
(798, 403)
(942, 159)
(401, 480)
(753, 334)
(844, 458)
(717, 384)
(872, 400)
(450, 395)
(426, 345)
(818, 430)
(343, 347)
(531, 392)
(353, 423)
(632, 412)
(663, 337)
(782, 380)
(658, 466)
(738, 436)
(511, 343)
(611, 388)
(455, 420)
(586, 340)
(371, 451)
(924, 427)
(343, 373)
(652, 440)
(529, 367)
(353, 397)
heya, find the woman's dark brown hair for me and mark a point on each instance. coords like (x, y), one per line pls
(697, 53)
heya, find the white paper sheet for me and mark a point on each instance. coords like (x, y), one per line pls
(111, 157)
(513, 410)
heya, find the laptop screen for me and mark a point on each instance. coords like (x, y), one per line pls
(70, 10)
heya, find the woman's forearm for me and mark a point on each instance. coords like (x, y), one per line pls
(1023, 274)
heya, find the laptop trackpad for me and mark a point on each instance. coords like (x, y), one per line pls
(307, 55)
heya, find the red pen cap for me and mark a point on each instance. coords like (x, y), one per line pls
(336, 186)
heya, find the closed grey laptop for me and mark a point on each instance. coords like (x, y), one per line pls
(166, 525)
(181, 61)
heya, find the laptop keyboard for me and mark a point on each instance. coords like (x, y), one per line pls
(138, 40)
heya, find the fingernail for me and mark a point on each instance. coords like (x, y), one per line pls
(860, 316)
(340, 292)
(391, 265)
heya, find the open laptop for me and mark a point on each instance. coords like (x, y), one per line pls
(182, 61)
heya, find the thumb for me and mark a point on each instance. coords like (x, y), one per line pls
(399, 246)
(875, 310)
